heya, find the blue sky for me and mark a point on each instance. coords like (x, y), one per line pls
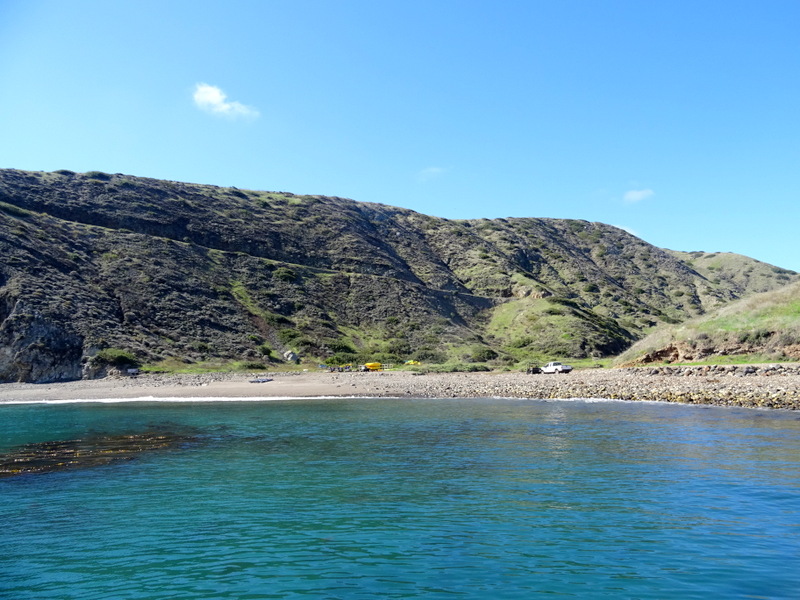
(679, 121)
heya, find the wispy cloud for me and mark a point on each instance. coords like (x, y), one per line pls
(429, 173)
(212, 99)
(633, 196)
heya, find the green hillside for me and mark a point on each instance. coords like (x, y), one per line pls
(765, 327)
(739, 273)
(100, 268)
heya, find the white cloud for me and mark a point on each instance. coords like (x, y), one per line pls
(213, 100)
(632, 196)
(429, 173)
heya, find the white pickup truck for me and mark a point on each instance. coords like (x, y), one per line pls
(556, 367)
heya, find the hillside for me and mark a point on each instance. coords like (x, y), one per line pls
(740, 274)
(98, 267)
(765, 326)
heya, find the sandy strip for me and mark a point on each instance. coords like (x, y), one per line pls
(146, 387)
(768, 388)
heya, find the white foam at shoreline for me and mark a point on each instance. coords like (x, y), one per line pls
(184, 399)
(209, 399)
(229, 399)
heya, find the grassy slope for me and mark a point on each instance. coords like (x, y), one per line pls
(738, 272)
(764, 326)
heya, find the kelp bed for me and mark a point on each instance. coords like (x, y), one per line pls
(46, 457)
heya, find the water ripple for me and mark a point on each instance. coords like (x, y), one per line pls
(350, 499)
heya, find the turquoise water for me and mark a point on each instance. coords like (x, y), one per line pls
(362, 498)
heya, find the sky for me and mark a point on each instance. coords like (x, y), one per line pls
(678, 121)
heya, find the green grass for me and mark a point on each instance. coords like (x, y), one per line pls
(761, 325)
(116, 356)
(14, 211)
(452, 367)
(178, 367)
(242, 295)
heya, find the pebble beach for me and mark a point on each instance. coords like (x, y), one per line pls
(757, 386)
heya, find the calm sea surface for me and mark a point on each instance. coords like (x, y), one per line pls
(387, 499)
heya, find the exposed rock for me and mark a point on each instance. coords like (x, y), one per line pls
(34, 348)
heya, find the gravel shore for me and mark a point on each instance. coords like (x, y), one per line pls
(763, 386)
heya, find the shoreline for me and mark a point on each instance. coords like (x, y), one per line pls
(763, 386)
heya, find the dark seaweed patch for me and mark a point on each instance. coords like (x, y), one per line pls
(46, 457)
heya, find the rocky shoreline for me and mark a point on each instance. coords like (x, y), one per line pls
(756, 386)
(762, 386)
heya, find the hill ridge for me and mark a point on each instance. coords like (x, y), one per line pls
(166, 270)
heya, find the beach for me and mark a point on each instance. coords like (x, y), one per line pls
(763, 386)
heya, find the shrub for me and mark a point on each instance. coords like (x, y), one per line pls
(98, 175)
(429, 355)
(563, 301)
(456, 368)
(482, 354)
(116, 357)
(521, 342)
(200, 346)
(398, 346)
(252, 366)
(265, 350)
(14, 211)
(285, 274)
(339, 346)
(303, 344)
(756, 336)
(342, 358)
(288, 335)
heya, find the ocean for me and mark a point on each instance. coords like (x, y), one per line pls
(384, 498)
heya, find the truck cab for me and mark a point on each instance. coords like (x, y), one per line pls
(556, 367)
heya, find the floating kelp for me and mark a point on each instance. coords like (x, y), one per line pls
(45, 457)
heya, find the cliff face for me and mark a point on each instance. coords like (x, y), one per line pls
(165, 270)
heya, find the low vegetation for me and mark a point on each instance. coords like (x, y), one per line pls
(764, 327)
(209, 277)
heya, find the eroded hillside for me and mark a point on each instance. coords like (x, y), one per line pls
(765, 327)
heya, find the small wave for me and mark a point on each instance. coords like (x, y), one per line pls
(184, 399)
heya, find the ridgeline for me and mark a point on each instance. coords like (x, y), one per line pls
(99, 269)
